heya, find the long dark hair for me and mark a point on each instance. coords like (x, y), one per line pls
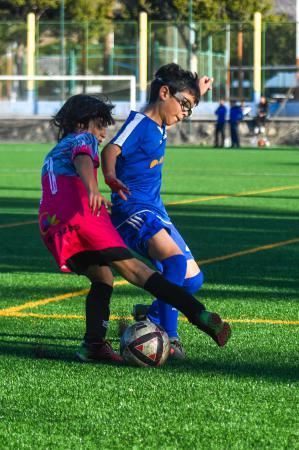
(177, 80)
(79, 110)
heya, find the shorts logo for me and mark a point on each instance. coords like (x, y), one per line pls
(46, 221)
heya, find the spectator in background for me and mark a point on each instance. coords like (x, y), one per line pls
(260, 119)
(246, 109)
(235, 117)
(220, 124)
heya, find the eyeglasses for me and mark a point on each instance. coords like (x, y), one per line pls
(184, 103)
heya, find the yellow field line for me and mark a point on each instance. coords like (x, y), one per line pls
(200, 199)
(18, 224)
(274, 189)
(16, 314)
(34, 304)
(45, 301)
(267, 321)
(184, 202)
(248, 251)
(113, 317)
(240, 194)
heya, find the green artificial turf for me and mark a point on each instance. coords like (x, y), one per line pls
(238, 211)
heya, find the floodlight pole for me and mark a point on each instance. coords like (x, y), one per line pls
(31, 59)
(297, 33)
(142, 57)
(190, 12)
(227, 61)
(192, 55)
(240, 62)
(62, 47)
(62, 41)
(257, 57)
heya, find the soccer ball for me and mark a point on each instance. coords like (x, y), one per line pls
(145, 344)
(263, 142)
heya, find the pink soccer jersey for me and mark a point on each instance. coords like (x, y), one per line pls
(67, 225)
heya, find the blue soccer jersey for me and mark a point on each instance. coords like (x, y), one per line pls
(139, 166)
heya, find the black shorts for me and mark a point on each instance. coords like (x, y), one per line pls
(80, 262)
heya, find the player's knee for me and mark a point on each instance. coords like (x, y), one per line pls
(193, 284)
(174, 268)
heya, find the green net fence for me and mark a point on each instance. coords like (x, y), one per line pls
(222, 50)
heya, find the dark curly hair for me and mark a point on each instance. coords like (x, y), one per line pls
(177, 79)
(79, 110)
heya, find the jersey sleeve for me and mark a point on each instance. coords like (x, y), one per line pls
(131, 134)
(85, 144)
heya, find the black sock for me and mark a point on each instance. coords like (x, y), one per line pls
(97, 311)
(175, 296)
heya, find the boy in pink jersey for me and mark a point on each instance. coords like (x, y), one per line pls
(76, 228)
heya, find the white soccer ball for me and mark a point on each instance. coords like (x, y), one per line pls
(145, 344)
(263, 142)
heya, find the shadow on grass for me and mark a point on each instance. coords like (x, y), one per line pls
(209, 230)
(270, 371)
(16, 202)
(34, 350)
(33, 346)
(257, 370)
(35, 336)
(37, 293)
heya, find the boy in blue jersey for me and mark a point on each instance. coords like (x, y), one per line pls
(220, 123)
(132, 165)
(235, 117)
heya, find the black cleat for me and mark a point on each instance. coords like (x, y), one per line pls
(140, 312)
(176, 349)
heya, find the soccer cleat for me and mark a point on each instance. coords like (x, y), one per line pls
(176, 349)
(212, 324)
(140, 312)
(98, 352)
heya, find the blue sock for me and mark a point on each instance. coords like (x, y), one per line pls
(193, 284)
(174, 270)
(153, 313)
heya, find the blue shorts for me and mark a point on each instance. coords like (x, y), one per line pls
(143, 225)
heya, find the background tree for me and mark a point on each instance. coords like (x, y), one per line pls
(236, 10)
(18, 9)
(88, 26)
(81, 28)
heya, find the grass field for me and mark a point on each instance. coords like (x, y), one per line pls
(238, 211)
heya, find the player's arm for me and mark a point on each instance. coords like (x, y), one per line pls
(85, 169)
(108, 157)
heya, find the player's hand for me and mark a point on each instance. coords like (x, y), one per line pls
(96, 200)
(117, 186)
(205, 84)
